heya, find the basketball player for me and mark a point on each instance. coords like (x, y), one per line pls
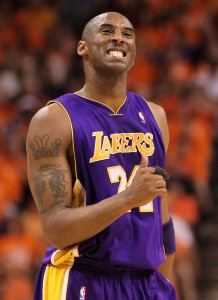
(91, 169)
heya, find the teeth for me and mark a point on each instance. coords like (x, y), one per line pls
(116, 53)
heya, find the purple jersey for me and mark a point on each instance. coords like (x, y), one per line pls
(107, 151)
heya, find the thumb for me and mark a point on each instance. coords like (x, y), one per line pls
(144, 160)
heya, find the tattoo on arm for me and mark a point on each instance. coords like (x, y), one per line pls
(41, 149)
(54, 178)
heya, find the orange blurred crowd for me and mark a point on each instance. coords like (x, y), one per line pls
(176, 66)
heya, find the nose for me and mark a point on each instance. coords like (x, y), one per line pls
(117, 36)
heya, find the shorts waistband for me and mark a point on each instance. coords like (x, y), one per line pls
(115, 270)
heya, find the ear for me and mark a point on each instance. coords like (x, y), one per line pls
(82, 48)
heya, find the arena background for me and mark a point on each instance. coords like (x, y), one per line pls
(176, 67)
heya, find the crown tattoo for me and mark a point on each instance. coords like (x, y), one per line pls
(42, 150)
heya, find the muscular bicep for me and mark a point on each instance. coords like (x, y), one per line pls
(50, 183)
(49, 173)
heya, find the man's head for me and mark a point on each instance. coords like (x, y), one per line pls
(108, 43)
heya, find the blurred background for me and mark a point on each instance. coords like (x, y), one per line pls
(176, 66)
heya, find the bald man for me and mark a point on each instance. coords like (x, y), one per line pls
(93, 166)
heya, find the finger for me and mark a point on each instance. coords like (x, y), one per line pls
(160, 183)
(144, 160)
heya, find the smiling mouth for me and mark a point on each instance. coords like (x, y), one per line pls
(116, 53)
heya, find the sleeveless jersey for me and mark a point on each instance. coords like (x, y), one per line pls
(107, 152)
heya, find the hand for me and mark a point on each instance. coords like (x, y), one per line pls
(146, 185)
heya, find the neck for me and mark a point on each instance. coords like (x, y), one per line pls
(108, 89)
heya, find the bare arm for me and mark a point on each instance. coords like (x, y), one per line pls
(51, 181)
(166, 267)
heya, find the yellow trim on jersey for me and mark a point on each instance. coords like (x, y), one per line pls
(115, 112)
(56, 276)
(63, 258)
(79, 195)
(55, 283)
(71, 126)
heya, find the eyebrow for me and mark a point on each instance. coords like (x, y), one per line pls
(110, 25)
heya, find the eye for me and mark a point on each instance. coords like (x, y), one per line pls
(127, 34)
(107, 31)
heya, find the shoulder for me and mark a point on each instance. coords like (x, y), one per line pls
(48, 115)
(159, 114)
(52, 121)
(161, 119)
(157, 111)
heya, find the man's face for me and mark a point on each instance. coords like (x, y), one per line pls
(111, 43)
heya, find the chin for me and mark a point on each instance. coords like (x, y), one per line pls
(116, 67)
